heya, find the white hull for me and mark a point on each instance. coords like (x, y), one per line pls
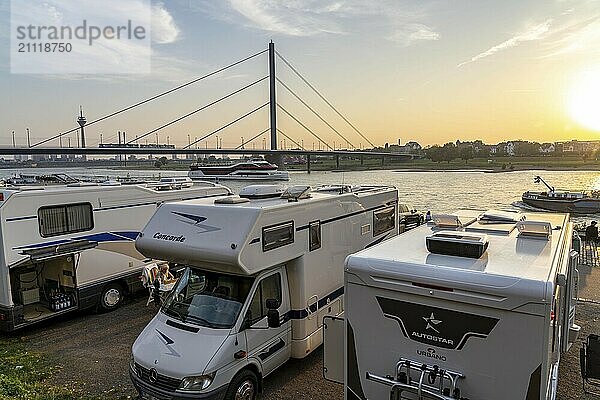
(271, 176)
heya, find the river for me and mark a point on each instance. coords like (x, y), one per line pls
(438, 191)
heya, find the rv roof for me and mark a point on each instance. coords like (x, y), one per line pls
(270, 202)
(508, 254)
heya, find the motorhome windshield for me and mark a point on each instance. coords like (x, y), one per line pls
(207, 298)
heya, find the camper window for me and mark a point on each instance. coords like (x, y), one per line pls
(268, 288)
(314, 236)
(275, 236)
(384, 220)
(65, 219)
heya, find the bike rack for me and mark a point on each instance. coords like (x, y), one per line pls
(425, 382)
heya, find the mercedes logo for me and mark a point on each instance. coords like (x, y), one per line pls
(153, 376)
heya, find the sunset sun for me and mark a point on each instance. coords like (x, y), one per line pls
(583, 100)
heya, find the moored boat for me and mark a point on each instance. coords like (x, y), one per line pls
(255, 169)
(573, 202)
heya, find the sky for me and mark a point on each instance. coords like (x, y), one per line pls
(429, 70)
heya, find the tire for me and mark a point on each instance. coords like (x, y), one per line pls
(244, 386)
(111, 297)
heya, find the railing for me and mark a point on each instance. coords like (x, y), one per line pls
(589, 252)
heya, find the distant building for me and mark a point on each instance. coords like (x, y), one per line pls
(576, 146)
(546, 148)
(509, 148)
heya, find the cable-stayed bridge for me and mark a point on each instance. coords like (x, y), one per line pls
(54, 144)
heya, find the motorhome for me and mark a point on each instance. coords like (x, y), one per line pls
(471, 306)
(71, 247)
(262, 271)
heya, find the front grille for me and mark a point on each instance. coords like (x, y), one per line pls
(162, 382)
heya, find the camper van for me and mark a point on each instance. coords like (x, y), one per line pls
(263, 269)
(71, 247)
(471, 306)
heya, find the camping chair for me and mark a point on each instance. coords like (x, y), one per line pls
(149, 281)
(589, 359)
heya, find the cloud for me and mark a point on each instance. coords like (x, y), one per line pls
(577, 38)
(534, 33)
(294, 18)
(399, 21)
(411, 33)
(164, 29)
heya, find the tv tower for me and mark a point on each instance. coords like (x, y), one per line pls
(81, 121)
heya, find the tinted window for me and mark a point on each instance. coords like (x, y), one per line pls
(269, 288)
(278, 235)
(384, 220)
(65, 219)
(314, 235)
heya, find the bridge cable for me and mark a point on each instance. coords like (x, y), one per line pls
(253, 138)
(292, 140)
(154, 97)
(304, 126)
(322, 97)
(197, 110)
(226, 125)
(314, 112)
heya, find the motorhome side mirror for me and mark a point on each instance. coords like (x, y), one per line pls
(272, 313)
(273, 319)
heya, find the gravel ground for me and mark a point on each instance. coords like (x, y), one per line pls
(93, 350)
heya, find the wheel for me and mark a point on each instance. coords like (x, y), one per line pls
(244, 386)
(111, 297)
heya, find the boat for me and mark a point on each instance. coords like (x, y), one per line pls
(44, 180)
(573, 202)
(254, 169)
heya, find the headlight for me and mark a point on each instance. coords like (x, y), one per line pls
(196, 383)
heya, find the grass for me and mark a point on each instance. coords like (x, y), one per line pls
(25, 375)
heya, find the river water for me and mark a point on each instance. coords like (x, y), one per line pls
(438, 191)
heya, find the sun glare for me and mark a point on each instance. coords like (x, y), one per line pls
(583, 99)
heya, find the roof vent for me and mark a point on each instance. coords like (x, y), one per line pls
(446, 221)
(461, 244)
(334, 188)
(298, 192)
(231, 200)
(501, 217)
(262, 191)
(535, 229)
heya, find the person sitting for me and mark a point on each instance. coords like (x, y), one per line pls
(591, 232)
(165, 276)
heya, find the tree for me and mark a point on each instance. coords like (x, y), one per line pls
(434, 153)
(466, 153)
(449, 152)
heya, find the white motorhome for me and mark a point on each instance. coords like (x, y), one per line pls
(474, 306)
(262, 273)
(72, 247)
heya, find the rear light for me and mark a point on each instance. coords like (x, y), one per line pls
(552, 315)
(2, 317)
(1, 196)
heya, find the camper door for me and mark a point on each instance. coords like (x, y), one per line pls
(271, 346)
(569, 301)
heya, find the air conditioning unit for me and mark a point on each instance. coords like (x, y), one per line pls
(456, 243)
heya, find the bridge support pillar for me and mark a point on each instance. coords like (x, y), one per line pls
(382, 160)
(308, 163)
(362, 160)
(337, 161)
